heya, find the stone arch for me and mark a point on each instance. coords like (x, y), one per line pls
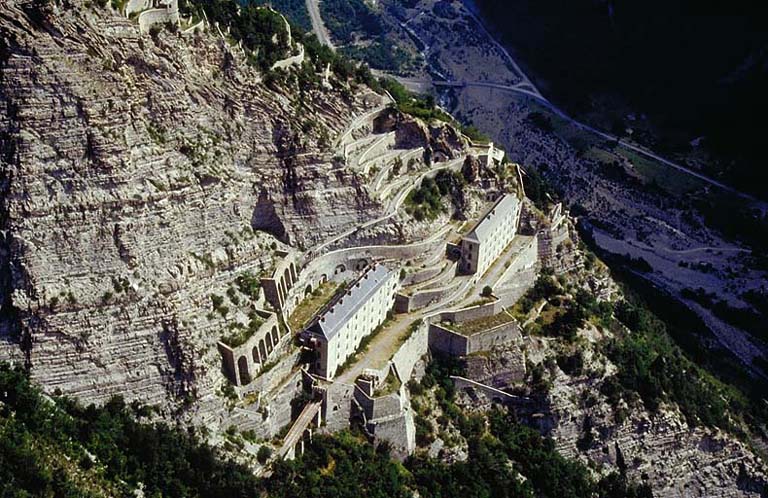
(340, 269)
(262, 349)
(323, 278)
(270, 346)
(275, 335)
(242, 367)
(308, 290)
(255, 354)
(294, 273)
(361, 264)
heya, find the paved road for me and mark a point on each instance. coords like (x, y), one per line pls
(318, 26)
(522, 89)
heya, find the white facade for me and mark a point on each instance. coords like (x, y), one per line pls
(338, 331)
(491, 235)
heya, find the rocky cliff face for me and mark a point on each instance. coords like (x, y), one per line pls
(138, 176)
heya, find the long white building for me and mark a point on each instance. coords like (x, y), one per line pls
(338, 330)
(490, 236)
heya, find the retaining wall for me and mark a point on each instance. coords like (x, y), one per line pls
(153, 17)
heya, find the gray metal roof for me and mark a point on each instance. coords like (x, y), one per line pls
(492, 218)
(344, 306)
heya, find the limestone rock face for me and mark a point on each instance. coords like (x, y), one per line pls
(138, 173)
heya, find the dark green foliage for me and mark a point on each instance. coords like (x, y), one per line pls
(342, 466)
(665, 58)
(426, 201)
(658, 371)
(420, 106)
(254, 26)
(380, 54)
(45, 440)
(294, 10)
(344, 18)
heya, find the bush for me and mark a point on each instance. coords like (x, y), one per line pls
(264, 454)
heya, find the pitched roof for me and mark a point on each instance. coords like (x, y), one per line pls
(492, 218)
(345, 305)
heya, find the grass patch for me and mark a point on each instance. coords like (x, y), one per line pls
(308, 308)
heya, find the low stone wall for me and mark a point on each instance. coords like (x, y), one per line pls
(197, 28)
(423, 298)
(421, 276)
(491, 393)
(295, 60)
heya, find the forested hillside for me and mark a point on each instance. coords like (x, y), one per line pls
(695, 69)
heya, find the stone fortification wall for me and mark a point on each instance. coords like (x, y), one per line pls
(497, 336)
(453, 343)
(279, 373)
(399, 432)
(337, 407)
(412, 350)
(447, 342)
(295, 60)
(391, 405)
(247, 359)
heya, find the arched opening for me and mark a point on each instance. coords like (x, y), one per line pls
(242, 367)
(262, 350)
(255, 355)
(308, 290)
(294, 273)
(340, 269)
(287, 278)
(275, 336)
(269, 344)
(361, 264)
(323, 278)
(496, 400)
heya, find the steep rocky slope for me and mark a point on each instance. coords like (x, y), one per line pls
(138, 173)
